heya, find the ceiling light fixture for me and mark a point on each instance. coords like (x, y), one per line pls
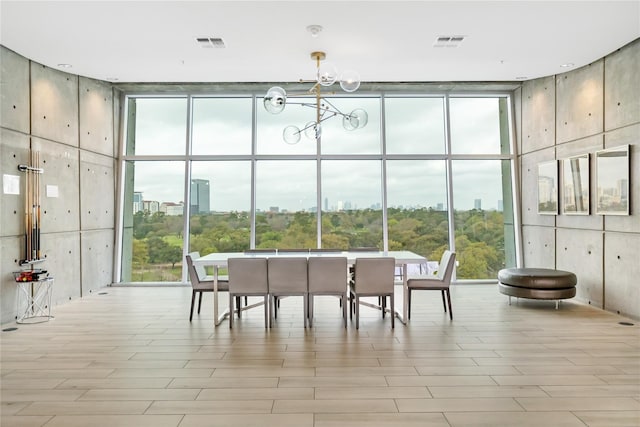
(65, 65)
(567, 65)
(276, 99)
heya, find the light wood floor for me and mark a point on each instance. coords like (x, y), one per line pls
(131, 358)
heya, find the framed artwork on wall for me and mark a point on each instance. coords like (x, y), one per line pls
(548, 188)
(575, 185)
(612, 181)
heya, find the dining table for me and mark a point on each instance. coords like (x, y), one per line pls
(219, 260)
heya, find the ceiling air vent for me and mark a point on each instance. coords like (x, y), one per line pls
(210, 42)
(448, 41)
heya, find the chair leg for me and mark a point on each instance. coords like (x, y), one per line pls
(383, 299)
(231, 311)
(193, 298)
(267, 310)
(357, 312)
(409, 303)
(393, 313)
(200, 301)
(343, 300)
(444, 304)
(310, 313)
(237, 305)
(449, 300)
(350, 306)
(305, 309)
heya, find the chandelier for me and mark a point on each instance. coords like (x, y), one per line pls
(276, 99)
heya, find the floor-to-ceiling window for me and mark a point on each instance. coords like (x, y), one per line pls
(213, 174)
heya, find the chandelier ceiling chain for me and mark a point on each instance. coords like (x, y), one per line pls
(276, 99)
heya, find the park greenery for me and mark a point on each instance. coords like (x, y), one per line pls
(479, 236)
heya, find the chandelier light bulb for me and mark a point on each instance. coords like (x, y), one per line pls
(350, 80)
(275, 100)
(313, 130)
(327, 74)
(291, 135)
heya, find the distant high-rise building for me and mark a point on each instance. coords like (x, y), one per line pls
(137, 201)
(500, 205)
(440, 207)
(200, 196)
(151, 206)
(326, 203)
(477, 204)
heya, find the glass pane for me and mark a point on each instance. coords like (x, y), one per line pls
(417, 207)
(221, 126)
(352, 203)
(414, 125)
(338, 140)
(475, 125)
(153, 222)
(271, 126)
(286, 204)
(160, 126)
(220, 207)
(479, 189)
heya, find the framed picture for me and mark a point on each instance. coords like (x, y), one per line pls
(575, 185)
(612, 181)
(548, 188)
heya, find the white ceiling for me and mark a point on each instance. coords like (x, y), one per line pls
(267, 41)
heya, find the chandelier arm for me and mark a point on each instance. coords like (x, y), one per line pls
(334, 108)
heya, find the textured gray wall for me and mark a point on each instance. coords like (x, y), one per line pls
(583, 111)
(71, 121)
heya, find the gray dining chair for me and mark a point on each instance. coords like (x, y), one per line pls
(201, 282)
(248, 277)
(287, 277)
(441, 282)
(374, 277)
(328, 276)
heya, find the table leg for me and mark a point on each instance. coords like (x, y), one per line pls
(216, 320)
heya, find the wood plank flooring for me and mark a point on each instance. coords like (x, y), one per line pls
(130, 357)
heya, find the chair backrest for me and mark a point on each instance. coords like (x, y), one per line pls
(293, 250)
(445, 269)
(287, 274)
(197, 273)
(375, 274)
(248, 275)
(327, 274)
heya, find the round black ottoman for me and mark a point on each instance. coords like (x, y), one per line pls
(537, 283)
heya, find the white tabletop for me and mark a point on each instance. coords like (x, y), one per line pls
(401, 257)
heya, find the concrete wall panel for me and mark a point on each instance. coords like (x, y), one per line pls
(538, 104)
(96, 116)
(579, 101)
(581, 252)
(628, 135)
(60, 164)
(12, 252)
(621, 263)
(563, 151)
(97, 259)
(54, 105)
(97, 193)
(622, 87)
(62, 252)
(538, 246)
(14, 151)
(529, 173)
(14, 91)
(517, 113)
